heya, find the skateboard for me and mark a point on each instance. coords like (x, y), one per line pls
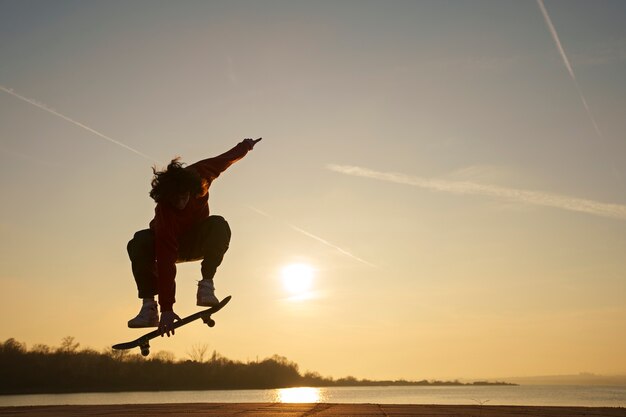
(143, 342)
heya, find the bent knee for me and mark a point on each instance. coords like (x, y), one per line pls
(217, 220)
(141, 243)
(219, 223)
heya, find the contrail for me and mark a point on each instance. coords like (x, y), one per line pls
(319, 239)
(570, 70)
(74, 122)
(538, 198)
(555, 36)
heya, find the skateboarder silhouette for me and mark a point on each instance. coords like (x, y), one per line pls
(182, 230)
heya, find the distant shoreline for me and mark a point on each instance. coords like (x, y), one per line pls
(579, 379)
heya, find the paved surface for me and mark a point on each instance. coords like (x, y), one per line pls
(306, 410)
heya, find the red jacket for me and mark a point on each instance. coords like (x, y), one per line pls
(169, 223)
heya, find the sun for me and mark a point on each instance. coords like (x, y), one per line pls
(297, 278)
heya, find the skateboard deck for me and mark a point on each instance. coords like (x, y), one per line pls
(143, 342)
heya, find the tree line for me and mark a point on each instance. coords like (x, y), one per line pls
(44, 369)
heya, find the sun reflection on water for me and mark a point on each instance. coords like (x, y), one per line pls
(299, 395)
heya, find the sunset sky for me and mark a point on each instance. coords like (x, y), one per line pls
(449, 175)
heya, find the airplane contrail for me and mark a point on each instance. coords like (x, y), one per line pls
(570, 70)
(74, 122)
(538, 198)
(319, 239)
(555, 36)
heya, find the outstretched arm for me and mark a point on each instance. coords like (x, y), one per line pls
(211, 168)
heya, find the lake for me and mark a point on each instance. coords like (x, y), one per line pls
(554, 395)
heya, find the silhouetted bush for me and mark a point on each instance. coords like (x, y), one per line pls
(66, 369)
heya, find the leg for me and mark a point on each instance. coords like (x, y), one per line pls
(216, 242)
(143, 262)
(208, 242)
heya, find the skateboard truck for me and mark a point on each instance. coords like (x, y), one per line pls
(208, 320)
(144, 345)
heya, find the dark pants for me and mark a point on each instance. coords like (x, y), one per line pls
(207, 241)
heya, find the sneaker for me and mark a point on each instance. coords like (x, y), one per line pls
(206, 294)
(148, 317)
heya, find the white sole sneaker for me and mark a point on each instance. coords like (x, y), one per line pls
(148, 317)
(206, 294)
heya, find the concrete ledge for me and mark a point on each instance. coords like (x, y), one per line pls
(306, 410)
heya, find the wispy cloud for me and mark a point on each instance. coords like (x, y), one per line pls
(315, 237)
(567, 63)
(537, 198)
(50, 110)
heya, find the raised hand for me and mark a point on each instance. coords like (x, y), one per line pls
(252, 142)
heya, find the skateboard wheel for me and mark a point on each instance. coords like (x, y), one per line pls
(210, 322)
(145, 351)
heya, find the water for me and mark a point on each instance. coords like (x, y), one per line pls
(588, 396)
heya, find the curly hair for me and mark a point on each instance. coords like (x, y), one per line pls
(175, 180)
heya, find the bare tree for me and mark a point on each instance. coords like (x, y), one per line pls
(198, 352)
(117, 355)
(41, 348)
(164, 356)
(69, 345)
